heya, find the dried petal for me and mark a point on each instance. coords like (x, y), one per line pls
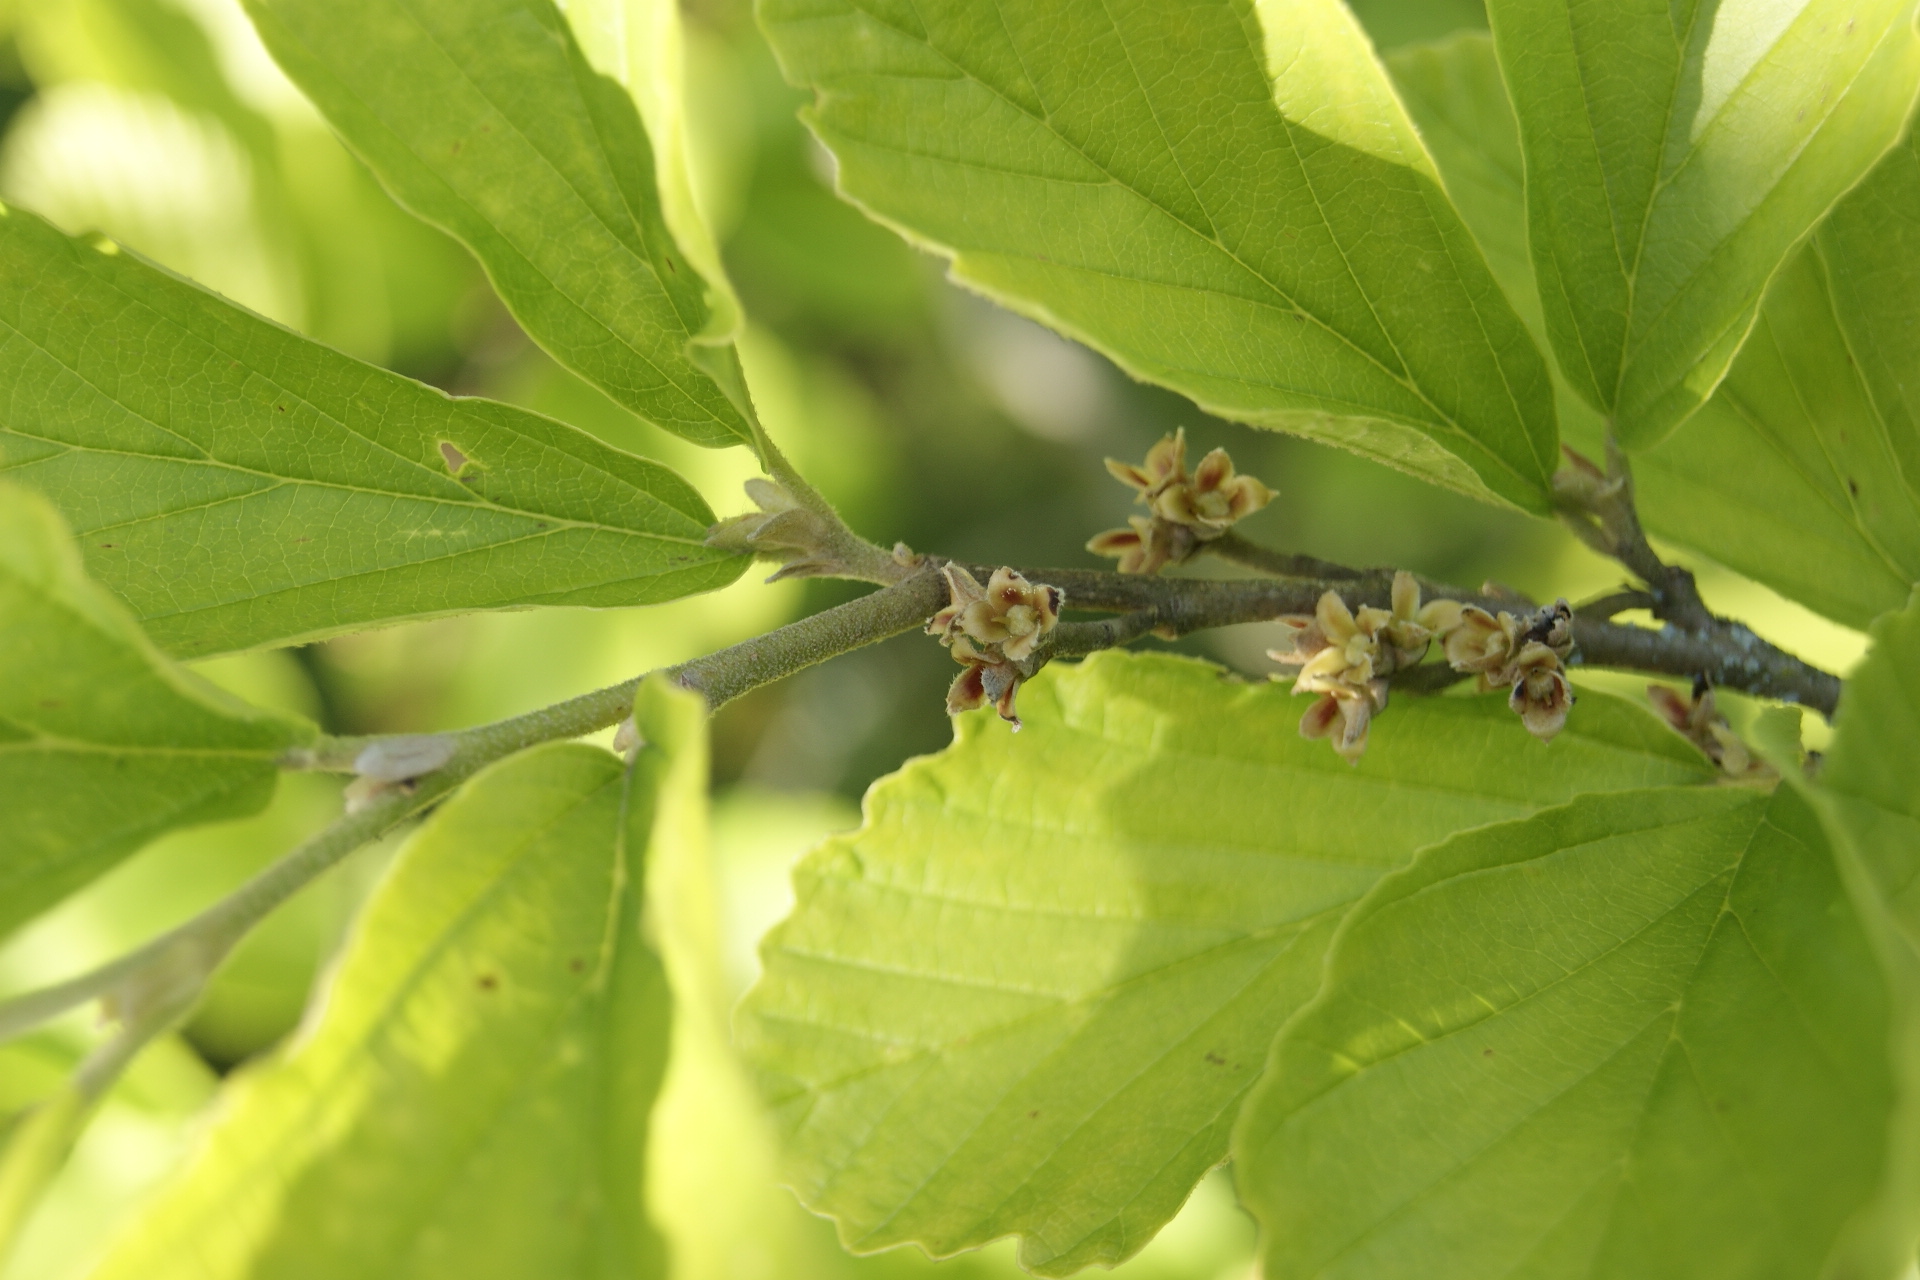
(1541, 695)
(1000, 684)
(1481, 642)
(1317, 721)
(1128, 474)
(1167, 460)
(968, 690)
(1335, 619)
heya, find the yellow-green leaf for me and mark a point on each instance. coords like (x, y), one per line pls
(1029, 994)
(238, 485)
(474, 1098)
(1224, 197)
(1645, 1035)
(485, 118)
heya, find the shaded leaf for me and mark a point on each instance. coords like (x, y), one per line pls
(474, 1099)
(1675, 154)
(1230, 203)
(238, 485)
(1644, 1035)
(486, 119)
(1867, 780)
(104, 743)
(1030, 993)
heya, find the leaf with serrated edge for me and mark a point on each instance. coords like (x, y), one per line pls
(486, 119)
(1644, 1035)
(1675, 154)
(474, 1098)
(238, 485)
(1799, 472)
(1225, 198)
(104, 743)
(1029, 994)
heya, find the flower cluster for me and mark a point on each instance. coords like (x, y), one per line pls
(1699, 722)
(1525, 655)
(1346, 657)
(991, 630)
(1185, 510)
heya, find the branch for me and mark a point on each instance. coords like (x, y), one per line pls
(155, 985)
(1727, 653)
(1231, 546)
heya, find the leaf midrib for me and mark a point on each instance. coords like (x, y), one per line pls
(1174, 218)
(579, 306)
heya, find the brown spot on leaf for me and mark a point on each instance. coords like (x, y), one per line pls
(108, 546)
(451, 455)
(1853, 486)
(1486, 1053)
(1033, 1115)
(488, 981)
(577, 964)
(1216, 1060)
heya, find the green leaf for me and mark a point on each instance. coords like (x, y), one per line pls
(1793, 474)
(1675, 154)
(1644, 1035)
(1867, 782)
(1225, 198)
(486, 119)
(238, 485)
(1798, 472)
(474, 1100)
(104, 744)
(1030, 993)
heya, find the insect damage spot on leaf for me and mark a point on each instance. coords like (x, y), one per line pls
(455, 460)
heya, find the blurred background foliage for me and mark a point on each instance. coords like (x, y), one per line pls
(927, 414)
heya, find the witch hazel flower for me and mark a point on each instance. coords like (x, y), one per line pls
(1526, 656)
(1700, 722)
(1186, 509)
(990, 630)
(1342, 658)
(1346, 657)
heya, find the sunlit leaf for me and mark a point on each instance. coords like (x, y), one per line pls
(134, 1132)
(104, 743)
(238, 485)
(1798, 472)
(1675, 154)
(1029, 994)
(1644, 1035)
(1228, 203)
(475, 1098)
(485, 118)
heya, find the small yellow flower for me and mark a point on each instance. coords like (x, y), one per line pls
(1213, 499)
(1344, 715)
(1186, 510)
(1147, 547)
(990, 629)
(1340, 658)
(1414, 625)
